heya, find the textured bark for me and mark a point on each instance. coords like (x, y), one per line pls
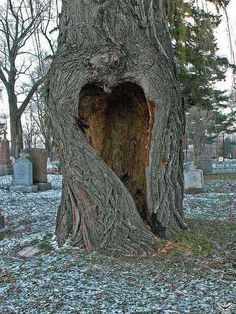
(16, 135)
(16, 125)
(114, 101)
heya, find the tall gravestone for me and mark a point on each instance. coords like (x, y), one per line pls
(38, 157)
(5, 162)
(23, 175)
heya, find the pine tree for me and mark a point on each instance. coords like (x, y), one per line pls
(192, 31)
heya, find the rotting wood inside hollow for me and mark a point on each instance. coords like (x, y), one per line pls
(118, 126)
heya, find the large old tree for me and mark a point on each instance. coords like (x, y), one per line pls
(115, 105)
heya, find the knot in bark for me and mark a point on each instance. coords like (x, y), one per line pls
(104, 61)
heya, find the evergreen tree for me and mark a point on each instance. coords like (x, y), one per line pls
(192, 31)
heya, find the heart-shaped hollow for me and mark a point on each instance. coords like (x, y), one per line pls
(118, 126)
(136, 130)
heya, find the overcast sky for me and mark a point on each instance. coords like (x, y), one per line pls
(223, 44)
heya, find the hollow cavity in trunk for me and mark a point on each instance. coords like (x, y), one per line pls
(118, 126)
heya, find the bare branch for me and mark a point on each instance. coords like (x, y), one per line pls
(3, 78)
(30, 95)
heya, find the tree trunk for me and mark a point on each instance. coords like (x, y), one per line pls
(16, 136)
(115, 105)
(15, 125)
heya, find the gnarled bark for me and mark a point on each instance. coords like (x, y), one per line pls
(115, 106)
(16, 135)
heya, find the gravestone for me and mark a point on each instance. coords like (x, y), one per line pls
(193, 179)
(23, 171)
(38, 157)
(23, 175)
(5, 162)
(29, 251)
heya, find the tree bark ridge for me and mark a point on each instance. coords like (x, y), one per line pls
(107, 44)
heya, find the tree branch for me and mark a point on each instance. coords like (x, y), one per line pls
(3, 77)
(30, 95)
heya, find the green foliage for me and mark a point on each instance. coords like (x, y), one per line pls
(192, 31)
(45, 244)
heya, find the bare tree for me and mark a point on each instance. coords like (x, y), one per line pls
(19, 22)
(31, 131)
(200, 125)
(37, 130)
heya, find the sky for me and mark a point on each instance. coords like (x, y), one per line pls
(223, 44)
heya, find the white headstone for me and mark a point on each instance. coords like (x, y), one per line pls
(193, 178)
(23, 171)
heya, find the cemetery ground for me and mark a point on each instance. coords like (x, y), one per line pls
(193, 273)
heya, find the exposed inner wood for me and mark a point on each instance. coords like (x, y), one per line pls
(118, 126)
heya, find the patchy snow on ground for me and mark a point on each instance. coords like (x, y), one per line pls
(68, 280)
(217, 203)
(30, 216)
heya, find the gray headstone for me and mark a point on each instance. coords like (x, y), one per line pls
(23, 171)
(193, 178)
(29, 251)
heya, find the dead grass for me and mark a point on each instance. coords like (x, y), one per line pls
(209, 238)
